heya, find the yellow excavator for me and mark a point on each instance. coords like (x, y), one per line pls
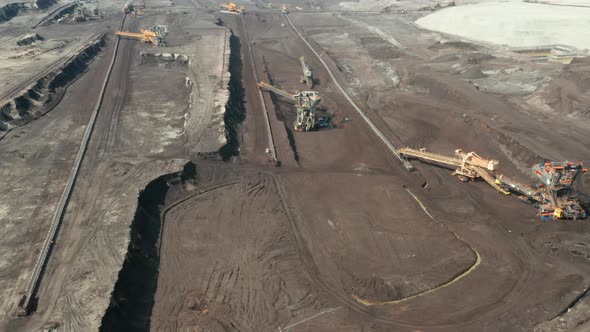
(305, 103)
(469, 165)
(154, 35)
(232, 8)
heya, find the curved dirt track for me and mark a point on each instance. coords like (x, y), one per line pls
(199, 207)
(236, 289)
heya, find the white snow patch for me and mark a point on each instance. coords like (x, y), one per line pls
(517, 24)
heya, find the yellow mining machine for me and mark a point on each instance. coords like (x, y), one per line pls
(231, 8)
(154, 35)
(305, 102)
(470, 166)
(307, 73)
(554, 197)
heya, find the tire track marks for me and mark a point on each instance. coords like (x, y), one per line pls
(25, 303)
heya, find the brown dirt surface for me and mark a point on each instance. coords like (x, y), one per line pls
(570, 93)
(360, 238)
(341, 237)
(252, 284)
(361, 230)
(139, 135)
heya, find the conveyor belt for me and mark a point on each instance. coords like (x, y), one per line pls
(430, 156)
(490, 180)
(453, 162)
(282, 93)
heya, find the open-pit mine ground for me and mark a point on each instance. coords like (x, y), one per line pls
(157, 188)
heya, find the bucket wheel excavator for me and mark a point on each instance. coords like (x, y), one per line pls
(154, 35)
(305, 103)
(231, 8)
(470, 166)
(555, 196)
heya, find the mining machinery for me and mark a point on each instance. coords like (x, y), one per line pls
(554, 197)
(470, 166)
(305, 102)
(79, 12)
(307, 73)
(231, 8)
(128, 7)
(154, 35)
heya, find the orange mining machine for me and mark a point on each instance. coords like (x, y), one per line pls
(555, 197)
(231, 8)
(154, 35)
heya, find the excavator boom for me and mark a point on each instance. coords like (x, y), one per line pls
(130, 34)
(267, 87)
(307, 73)
(154, 35)
(144, 37)
(305, 102)
(555, 199)
(469, 165)
(424, 155)
(487, 177)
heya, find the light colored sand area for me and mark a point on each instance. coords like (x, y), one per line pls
(516, 24)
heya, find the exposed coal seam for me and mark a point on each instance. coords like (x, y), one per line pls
(49, 90)
(280, 117)
(284, 120)
(44, 4)
(11, 10)
(292, 143)
(235, 112)
(574, 303)
(133, 297)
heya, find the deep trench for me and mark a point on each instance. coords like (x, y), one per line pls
(132, 299)
(287, 119)
(11, 10)
(235, 112)
(48, 91)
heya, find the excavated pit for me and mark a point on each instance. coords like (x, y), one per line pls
(235, 112)
(132, 299)
(11, 10)
(44, 94)
(29, 39)
(286, 114)
(44, 4)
